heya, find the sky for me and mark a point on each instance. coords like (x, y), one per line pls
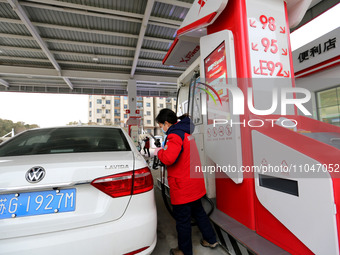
(48, 110)
(45, 110)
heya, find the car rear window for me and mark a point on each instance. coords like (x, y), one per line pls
(65, 140)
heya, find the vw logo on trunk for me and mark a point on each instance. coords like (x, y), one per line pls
(35, 174)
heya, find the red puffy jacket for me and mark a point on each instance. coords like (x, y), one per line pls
(147, 143)
(181, 157)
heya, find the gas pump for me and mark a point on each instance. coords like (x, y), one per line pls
(134, 129)
(156, 161)
(134, 122)
(274, 177)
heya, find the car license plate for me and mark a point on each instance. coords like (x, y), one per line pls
(37, 203)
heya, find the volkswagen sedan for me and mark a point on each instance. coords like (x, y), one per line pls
(75, 190)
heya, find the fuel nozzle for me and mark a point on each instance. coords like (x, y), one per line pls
(156, 161)
(157, 143)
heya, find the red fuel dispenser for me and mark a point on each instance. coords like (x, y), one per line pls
(278, 172)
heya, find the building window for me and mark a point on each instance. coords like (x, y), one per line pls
(117, 112)
(148, 104)
(328, 104)
(90, 113)
(99, 120)
(107, 111)
(108, 121)
(90, 104)
(148, 113)
(99, 101)
(117, 102)
(99, 110)
(108, 101)
(161, 105)
(148, 122)
(125, 97)
(125, 106)
(125, 116)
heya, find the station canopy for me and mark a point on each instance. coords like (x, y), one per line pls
(90, 46)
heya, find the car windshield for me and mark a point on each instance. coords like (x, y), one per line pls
(65, 140)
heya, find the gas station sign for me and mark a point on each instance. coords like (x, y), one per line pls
(318, 54)
(269, 50)
(268, 40)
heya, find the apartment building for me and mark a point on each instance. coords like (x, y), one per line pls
(111, 110)
(149, 114)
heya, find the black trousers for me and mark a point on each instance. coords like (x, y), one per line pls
(147, 150)
(183, 214)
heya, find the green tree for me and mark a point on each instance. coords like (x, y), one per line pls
(7, 125)
(74, 123)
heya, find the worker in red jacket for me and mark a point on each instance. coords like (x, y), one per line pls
(180, 155)
(147, 146)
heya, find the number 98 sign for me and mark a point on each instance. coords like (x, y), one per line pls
(268, 21)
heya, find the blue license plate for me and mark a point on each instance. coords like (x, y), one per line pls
(37, 203)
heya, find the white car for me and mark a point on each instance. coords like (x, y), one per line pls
(75, 190)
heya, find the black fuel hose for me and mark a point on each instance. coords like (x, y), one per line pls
(166, 202)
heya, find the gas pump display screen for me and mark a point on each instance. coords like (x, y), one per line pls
(215, 65)
(215, 68)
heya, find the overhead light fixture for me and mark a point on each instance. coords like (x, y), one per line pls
(1, 51)
(95, 59)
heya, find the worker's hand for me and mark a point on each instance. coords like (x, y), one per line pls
(156, 151)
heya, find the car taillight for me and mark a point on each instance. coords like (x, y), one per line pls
(125, 184)
(142, 181)
(117, 185)
(137, 251)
